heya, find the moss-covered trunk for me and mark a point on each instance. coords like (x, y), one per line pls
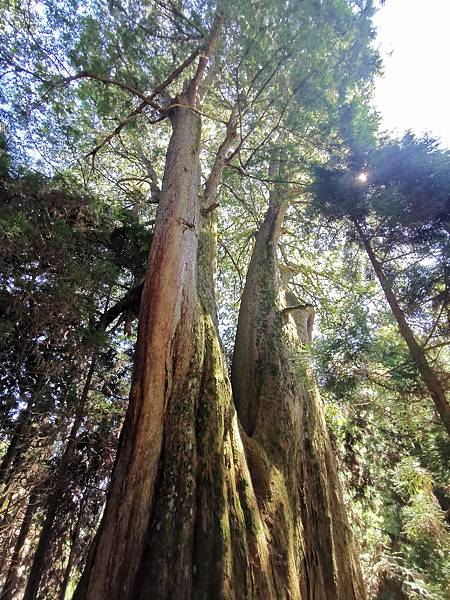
(198, 507)
(291, 461)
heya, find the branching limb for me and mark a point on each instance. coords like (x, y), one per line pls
(129, 303)
(154, 185)
(193, 89)
(212, 183)
(114, 82)
(139, 109)
(233, 261)
(128, 119)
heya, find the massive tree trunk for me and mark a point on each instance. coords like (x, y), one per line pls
(198, 508)
(429, 377)
(290, 457)
(165, 385)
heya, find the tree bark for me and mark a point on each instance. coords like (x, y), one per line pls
(429, 377)
(291, 460)
(165, 374)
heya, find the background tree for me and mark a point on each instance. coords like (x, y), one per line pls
(400, 211)
(58, 273)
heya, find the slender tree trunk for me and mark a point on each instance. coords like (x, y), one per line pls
(11, 578)
(73, 549)
(18, 442)
(59, 481)
(429, 377)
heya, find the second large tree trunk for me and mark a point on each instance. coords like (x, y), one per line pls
(291, 461)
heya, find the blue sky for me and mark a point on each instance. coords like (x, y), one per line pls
(414, 37)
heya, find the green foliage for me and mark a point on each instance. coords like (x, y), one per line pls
(398, 193)
(378, 411)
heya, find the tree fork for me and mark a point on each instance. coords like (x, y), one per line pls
(197, 508)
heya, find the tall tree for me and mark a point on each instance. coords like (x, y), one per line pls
(205, 501)
(198, 505)
(397, 198)
(58, 258)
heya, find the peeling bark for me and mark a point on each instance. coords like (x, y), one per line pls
(165, 373)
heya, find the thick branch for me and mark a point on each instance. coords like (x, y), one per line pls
(154, 185)
(212, 183)
(139, 109)
(130, 303)
(193, 89)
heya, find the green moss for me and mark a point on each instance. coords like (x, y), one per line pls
(225, 528)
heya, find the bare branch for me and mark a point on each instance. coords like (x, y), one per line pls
(130, 303)
(128, 119)
(172, 8)
(235, 265)
(182, 16)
